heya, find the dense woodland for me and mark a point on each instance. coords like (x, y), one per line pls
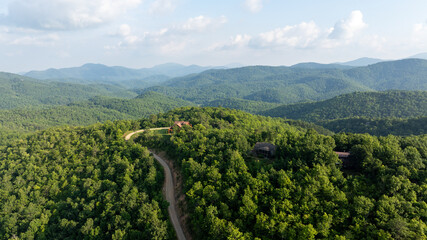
(19, 91)
(81, 183)
(378, 127)
(88, 183)
(397, 104)
(304, 192)
(290, 85)
(97, 109)
(258, 90)
(249, 106)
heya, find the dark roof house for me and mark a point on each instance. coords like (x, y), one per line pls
(343, 155)
(347, 162)
(265, 149)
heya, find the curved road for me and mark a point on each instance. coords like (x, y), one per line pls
(169, 188)
(129, 135)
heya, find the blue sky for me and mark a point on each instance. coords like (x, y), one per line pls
(40, 34)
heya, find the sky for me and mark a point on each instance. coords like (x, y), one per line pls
(42, 34)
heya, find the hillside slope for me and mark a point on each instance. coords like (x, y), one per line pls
(378, 127)
(296, 84)
(242, 104)
(400, 104)
(18, 91)
(81, 183)
(142, 106)
(236, 189)
(261, 83)
(94, 110)
(406, 74)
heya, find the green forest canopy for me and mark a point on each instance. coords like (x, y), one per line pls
(19, 91)
(397, 104)
(290, 85)
(81, 183)
(87, 182)
(304, 192)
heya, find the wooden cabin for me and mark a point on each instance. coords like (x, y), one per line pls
(346, 160)
(178, 124)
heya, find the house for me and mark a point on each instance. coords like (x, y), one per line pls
(346, 160)
(343, 155)
(178, 124)
(265, 149)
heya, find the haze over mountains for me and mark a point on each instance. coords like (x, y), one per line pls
(127, 77)
(92, 72)
(290, 85)
(110, 93)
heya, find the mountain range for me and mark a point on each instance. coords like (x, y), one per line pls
(340, 95)
(116, 75)
(277, 85)
(290, 85)
(130, 78)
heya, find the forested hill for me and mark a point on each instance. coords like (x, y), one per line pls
(296, 84)
(406, 74)
(90, 72)
(400, 104)
(144, 105)
(81, 183)
(94, 110)
(249, 106)
(18, 91)
(261, 83)
(378, 127)
(304, 191)
(88, 183)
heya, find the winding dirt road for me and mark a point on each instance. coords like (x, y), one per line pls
(169, 189)
(129, 135)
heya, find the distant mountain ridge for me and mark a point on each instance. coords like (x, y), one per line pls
(99, 73)
(313, 65)
(420, 56)
(361, 62)
(292, 84)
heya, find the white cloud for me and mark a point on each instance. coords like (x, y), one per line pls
(308, 35)
(348, 28)
(302, 35)
(238, 41)
(126, 32)
(3, 31)
(66, 14)
(162, 6)
(172, 39)
(199, 24)
(3, 11)
(173, 47)
(419, 33)
(42, 40)
(253, 5)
